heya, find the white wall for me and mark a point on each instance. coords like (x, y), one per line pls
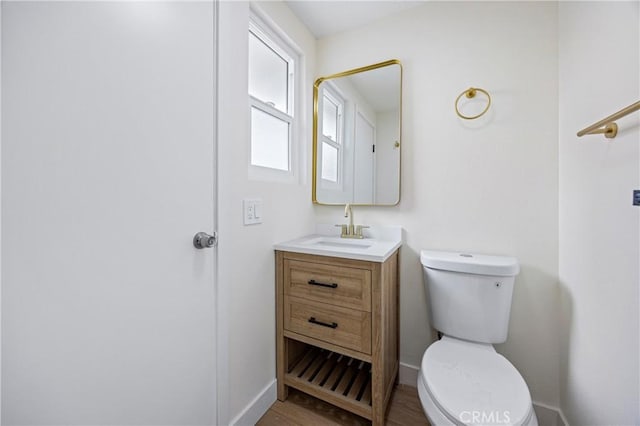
(246, 259)
(489, 186)
(599, 228)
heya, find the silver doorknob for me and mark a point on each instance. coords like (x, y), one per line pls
(203, 240)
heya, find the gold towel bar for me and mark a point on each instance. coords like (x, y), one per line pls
(607, 125)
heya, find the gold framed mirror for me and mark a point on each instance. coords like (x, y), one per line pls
(357, 117)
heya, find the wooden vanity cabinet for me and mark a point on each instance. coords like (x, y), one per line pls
(337, 330)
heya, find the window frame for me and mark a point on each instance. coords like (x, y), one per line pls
(277, 41)
(331, 92)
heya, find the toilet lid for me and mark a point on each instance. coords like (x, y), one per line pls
(473, 384)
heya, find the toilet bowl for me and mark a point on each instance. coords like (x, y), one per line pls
(462, 379)
(465, 383)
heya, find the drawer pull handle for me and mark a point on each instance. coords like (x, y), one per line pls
(324, 324)
(314, 282)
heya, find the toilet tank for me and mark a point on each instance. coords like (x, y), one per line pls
(469, 294)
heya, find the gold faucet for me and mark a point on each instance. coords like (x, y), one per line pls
(348, 212)
(349, 231)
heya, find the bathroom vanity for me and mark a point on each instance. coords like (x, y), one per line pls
(337, 320)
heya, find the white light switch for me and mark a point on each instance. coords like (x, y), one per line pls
(252, 208)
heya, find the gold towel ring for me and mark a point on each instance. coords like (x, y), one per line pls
(471, 93)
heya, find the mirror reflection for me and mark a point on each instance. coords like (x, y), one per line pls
(356, 143)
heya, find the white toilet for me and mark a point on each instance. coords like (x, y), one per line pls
(462, 379)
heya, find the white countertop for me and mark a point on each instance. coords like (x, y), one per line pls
(379, 244)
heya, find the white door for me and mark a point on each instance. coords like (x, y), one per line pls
(363, 171)
(107, 174)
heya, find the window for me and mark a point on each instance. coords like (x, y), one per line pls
(332, 135)
(271, 99)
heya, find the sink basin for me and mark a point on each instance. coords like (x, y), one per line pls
(337, 242)
(379, 243)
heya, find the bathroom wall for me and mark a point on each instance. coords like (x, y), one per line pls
(599, 228)
(246, 260)
(487, 186)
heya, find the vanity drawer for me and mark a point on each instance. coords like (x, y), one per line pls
(337, 285)
(340, 326)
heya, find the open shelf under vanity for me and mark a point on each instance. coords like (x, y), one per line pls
(340, 379)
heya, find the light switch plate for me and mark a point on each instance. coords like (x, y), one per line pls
(252, 211)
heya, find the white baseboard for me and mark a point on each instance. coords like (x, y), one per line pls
(408, 374)
(562, 420)
(256, 408)
(547, 415)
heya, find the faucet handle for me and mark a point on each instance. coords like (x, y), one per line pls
(359, 229)
(343, 230)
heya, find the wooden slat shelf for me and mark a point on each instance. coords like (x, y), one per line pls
(343, 380)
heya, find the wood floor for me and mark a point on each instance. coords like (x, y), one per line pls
(302, 409)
